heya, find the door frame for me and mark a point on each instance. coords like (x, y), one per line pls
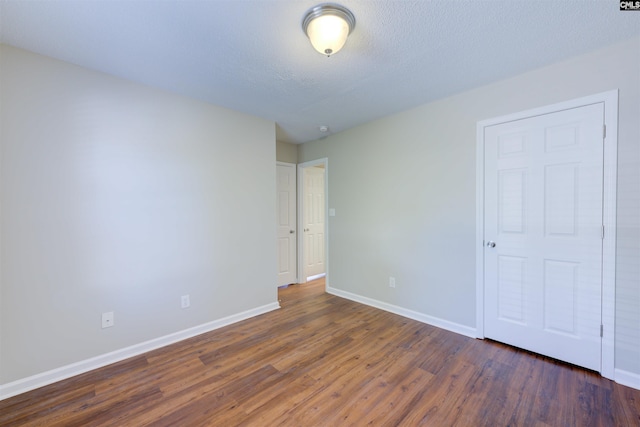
(301, 167)
(610, 100)
(295, 173)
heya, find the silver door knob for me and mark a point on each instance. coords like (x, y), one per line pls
(292, 231)
(491, 244)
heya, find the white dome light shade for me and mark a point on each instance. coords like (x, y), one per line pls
(327, 27)
(328, 33)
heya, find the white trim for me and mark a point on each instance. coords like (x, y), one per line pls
(317, 276)
(609, 218)
(610, 100)
(420, 317)
(301, 166)
(480, 230)
(49, 377)
(627, 378)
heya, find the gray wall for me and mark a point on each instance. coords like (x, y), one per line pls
(119, 197)
(286, 152)
(404, 192)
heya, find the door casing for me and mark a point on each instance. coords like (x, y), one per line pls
(610, 100)
(301, 166)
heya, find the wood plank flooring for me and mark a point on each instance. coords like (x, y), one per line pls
(326, 361)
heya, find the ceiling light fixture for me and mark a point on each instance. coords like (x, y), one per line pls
(327, 26)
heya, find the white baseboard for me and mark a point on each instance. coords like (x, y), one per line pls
(45, 378)
(420, 317)
(14, 388)
(317, 276)
(627, 378)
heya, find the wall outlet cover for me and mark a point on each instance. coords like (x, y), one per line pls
(185, 302)
(107, 319)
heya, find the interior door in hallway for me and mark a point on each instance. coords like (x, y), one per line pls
(286, 216)
(314, 217)
(543, 233)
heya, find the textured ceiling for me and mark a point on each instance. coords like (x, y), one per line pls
(252, 56)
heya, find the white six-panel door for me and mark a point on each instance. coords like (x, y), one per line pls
(543, 217)
(286, 216)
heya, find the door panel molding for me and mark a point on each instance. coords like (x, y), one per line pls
(610, 101)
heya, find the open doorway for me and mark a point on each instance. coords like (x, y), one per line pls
(312, 220)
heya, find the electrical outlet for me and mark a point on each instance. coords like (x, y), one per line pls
(184, 301)
(392, 282)
(107, 319)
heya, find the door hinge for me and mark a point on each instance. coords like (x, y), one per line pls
(601, 331)
(604, 131)
(602, 233)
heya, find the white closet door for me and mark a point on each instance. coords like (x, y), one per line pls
(543, 234)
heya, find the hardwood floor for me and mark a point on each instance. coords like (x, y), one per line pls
(326, 361)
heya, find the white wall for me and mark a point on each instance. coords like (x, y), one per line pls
(404, 192)
(119, 197)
